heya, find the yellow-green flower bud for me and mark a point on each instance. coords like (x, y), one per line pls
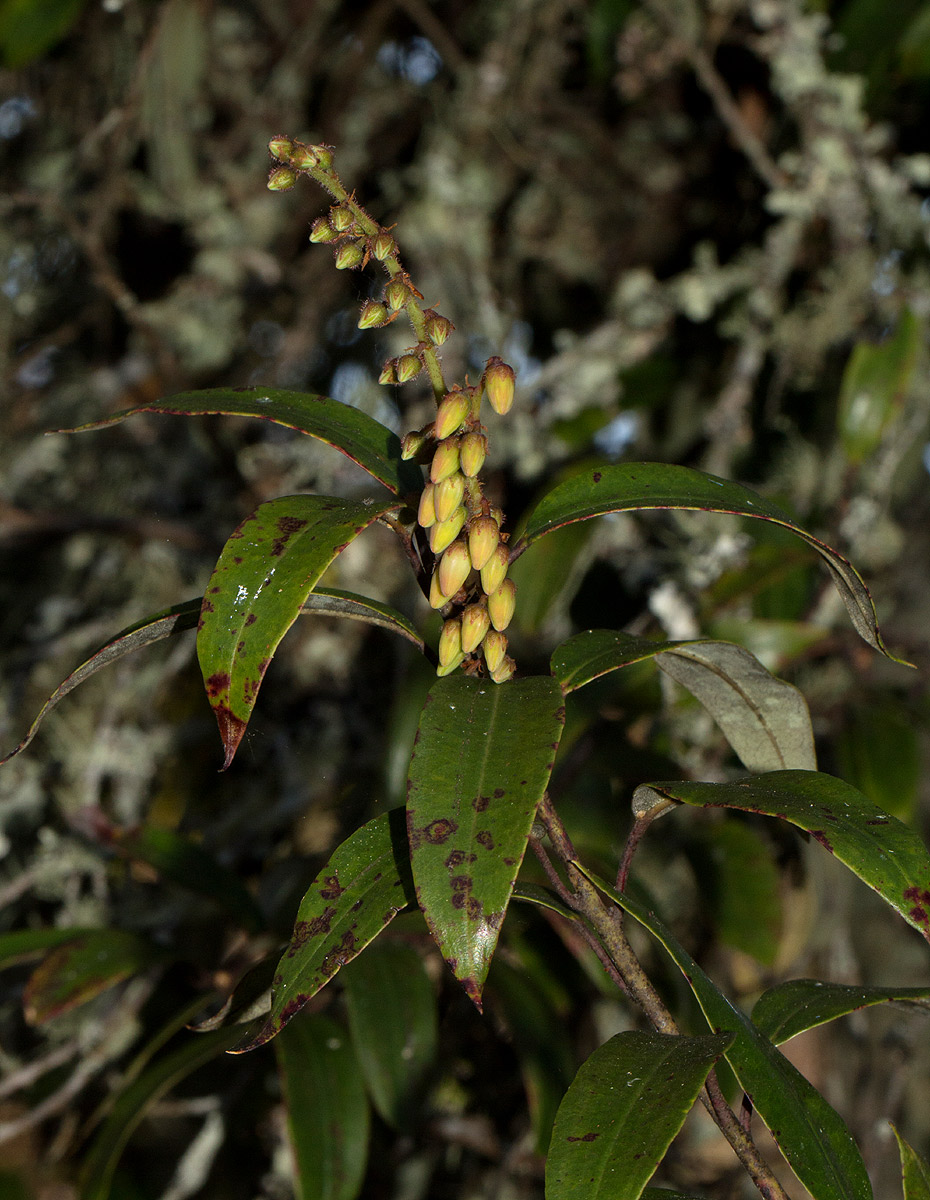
(504, 671)
(444, 533)
(475, 624)
(436, 598)
(383, 246)
(448, 495)
(373, 314)
(408, 367)
(450, 642)
(473, 453)
(323, 155)
(348, 256)
(454, 567)
(495, 647)
(426, 513)
(412, 443)
(281, 179)
(499, 384)
(483, 540)
(396, 294)
(438, 328)
(303, 158)
(341, 218)
(322, 231)
(494, 571)
(452, 411)
(281, 148)
(450, 667)
(389, 372)
(502, 603)
(445, 460)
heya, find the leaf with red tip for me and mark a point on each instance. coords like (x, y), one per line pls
(480, 766)
(266, 571)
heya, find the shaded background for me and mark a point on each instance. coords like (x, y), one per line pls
(699, 233)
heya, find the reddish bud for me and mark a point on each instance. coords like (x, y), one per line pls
(494, 571)
(475, 624)
(396, 294)
(408, 367)
(502, 603)
(281, 148)
(389, 372)
(281, 179)
(341, 218)
(383, 246)
(304, 158)
(483, 539)
(504, 671)
(450, 643)
(373, 314)
(448, 495)
(454, 567)
(452, 411)
(445, 460)
(348, 256)
(450, 667)
(444, 533)
(499, 382)
(436, 598)
(438, 328)
(473, 453)
(323, 155)
(426, 513)
(322, 231)
(495, 647)
(412, 443)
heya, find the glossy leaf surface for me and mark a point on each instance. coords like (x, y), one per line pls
(394, 1024)
(132, 1104)
(810, 1134)
(764, 719)
(624, 1107)
(82, 968)
(915, 1172)
(481, 763)
(875, 383)
(360, 890)
(327, 1110)
(322, 601)
(628, 486)
(266, 571)
(366, 441)
(790, 1008)
(882, 851)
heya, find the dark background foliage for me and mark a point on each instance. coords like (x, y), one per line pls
(692, 229)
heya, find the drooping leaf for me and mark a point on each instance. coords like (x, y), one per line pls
(879, 751)
(764, 719)
(322, 601)
(915, 1171)
(810, 1134)
(875, 382)
(366, 441)
(790, 1008)
(882, 851)
(82, 968)
(545, 571)
(624, 1107)
(627, 486)
(394, 1025)
(134, 1101)
(359, 891)
(327, 1111)
(480, 766)
(263, 577)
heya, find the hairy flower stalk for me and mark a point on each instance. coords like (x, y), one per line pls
(468, 558)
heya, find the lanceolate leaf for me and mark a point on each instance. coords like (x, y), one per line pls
(798, 1004)
(363, 439)
(360, 890)
(19, 945)
(915, 1172)
(627, 486)
(323, 602)
(82, 968)
(481, 763)
(264, 575)
(764, 719)
(327, 1112)
(810, 1134)
(622, 1111)
(393, 1019)
(882, 851)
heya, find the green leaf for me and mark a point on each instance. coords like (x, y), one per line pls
(622, 1111)
(82, 968)
(366, 441)
(915, 1173)
(790, 1008)
(809, 1133)
(134, 1102)
(764, 719)
(22, 944)
(480, 766)
(267, 570)
(327, 1112)
(882, 851)
(323, 602)
(878, 750)
(394, 1024)
(359, 891)
(627, 486)
(544, 573)
(659, 1193)
(29, 28)
(875, 383)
